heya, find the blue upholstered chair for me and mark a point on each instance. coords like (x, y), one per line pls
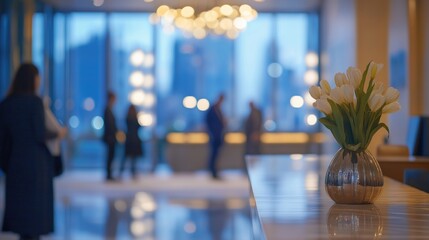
(418, 178)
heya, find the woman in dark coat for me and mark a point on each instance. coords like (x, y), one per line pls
(253, 129)
(133, 144)
(26, 161)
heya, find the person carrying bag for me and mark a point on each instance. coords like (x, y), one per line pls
(54, 145)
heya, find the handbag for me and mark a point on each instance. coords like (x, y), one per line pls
(58, 165)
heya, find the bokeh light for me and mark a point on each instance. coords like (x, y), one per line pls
(97, 122)
(149, 100)
(203, 104)
(296, 156)
(137, 212)
(275, 70)
(311, 59)
(240, 23)
(74, 121)
(311, 119)
(146, 119)
(120, 205)
(136, 97)
(98, 3)
(187, 12)
(311, 77)
(148, 81)
(270, 125)
(189, 102)
(224, 20)
(149, 60)
(138, 228)
(88, 104)
(296, 101)
(137, 57)
(136, 79)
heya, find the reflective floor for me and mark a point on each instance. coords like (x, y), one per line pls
(153, 206)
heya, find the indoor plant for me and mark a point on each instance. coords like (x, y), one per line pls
(353, 111)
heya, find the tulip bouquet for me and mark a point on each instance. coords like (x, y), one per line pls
(353, 108)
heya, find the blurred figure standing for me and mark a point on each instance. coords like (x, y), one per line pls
(215, 123)
(109, 136)
(26, 161)
(253, 129)
(133, 144)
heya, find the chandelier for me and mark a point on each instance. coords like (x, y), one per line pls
(224, 20)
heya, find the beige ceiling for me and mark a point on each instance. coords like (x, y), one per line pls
(142, 6)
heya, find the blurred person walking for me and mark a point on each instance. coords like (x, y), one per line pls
(215, 124)
(133, 143)
(109, 135)
(253, 128)
(25, 158)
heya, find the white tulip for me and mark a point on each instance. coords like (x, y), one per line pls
(337, 95)
(340, 79)
(376, 101)
(325, 86)
(374, 69)
(323, 106)
(348, 93)
(391, 107)
(391, 95)
(378, 88)
(355, 76)
(315, 92)
(324, 96)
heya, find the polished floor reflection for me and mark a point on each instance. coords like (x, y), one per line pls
(154, 206)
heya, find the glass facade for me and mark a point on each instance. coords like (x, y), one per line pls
(38, 45)
(266, 64)
(4, 48)
(271, 63)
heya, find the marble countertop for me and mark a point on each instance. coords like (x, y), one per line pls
(289, 202)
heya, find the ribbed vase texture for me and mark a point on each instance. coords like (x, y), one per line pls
(354, 177)
(355, 222)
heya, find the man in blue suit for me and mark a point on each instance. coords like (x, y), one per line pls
(215, 126)
(109, 135)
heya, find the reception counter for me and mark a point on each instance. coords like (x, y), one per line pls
(289, 201)
(187, 152)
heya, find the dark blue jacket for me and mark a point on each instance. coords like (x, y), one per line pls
(215, 124)
(28, 166)
(109, 135)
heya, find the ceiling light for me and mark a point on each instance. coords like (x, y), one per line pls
(225, 20)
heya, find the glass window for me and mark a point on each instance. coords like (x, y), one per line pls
(60, 73)
(272, 62)
(4, 50)
(87, 73)
(84, 80)
(131, 67)
(277, 59)
(191, 68)
(38, 48)
(268, 63)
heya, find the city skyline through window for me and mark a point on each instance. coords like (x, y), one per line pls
(267, 63)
